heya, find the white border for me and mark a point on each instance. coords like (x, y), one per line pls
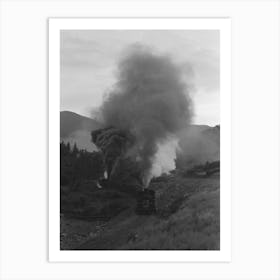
(55, 25)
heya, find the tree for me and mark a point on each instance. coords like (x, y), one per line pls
(68, 148)
(75, 150)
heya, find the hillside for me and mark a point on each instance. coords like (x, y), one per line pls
(95, 216)
(187, 218)
(198, 143)
(71, 122)
(75, 128)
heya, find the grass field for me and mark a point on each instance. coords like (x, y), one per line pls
(187, 218)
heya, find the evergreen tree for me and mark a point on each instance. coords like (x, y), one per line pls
(75, 150)
(68, 148)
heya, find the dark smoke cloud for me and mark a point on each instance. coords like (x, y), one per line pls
(113, 143)
(150, 101)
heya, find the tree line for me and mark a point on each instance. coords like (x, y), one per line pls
(78, 164)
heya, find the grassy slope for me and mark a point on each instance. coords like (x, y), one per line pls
(188, 218)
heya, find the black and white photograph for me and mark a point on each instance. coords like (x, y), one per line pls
(139, 140)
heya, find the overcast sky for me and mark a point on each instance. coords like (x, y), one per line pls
(89, 59)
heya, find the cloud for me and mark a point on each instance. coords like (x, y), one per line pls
(89, 57)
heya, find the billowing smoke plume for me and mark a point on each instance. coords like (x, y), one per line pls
(150, 102)
(114, 144)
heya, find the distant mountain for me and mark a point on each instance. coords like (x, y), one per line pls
(71, 122)
(75, 128)
(198, 143)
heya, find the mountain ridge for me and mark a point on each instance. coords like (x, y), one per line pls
(198, 143)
